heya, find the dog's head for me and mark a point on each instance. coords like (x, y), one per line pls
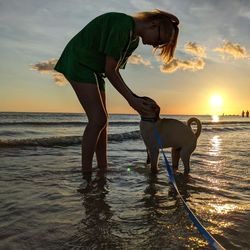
(155, 109)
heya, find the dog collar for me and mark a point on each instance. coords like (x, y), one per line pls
(149, 119)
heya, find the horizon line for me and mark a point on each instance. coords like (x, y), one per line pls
(57, 112)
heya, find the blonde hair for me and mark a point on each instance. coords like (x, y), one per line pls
(166, 50)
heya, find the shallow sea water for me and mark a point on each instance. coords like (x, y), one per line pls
(46, 204)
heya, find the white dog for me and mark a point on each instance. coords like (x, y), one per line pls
(173, 133)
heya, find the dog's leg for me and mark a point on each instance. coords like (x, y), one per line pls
(185, 157)
(154, 157)
(175, 158)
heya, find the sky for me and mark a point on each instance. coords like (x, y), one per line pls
(212, 56)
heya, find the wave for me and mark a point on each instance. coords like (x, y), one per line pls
(227, 123)
(37, 123)
(64, 140)
(223, 129)
(112, 123)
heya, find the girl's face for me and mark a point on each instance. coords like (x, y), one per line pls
(157, 35)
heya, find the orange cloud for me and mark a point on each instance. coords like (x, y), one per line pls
(195, 49)
(195, 64)
(138, 59)
(233, 49)
(47, 67)
(176, 64)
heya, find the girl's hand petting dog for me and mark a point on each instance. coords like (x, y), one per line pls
(142, 105)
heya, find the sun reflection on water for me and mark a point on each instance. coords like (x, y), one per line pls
(223, 208)
(215, 146)
(215, 118)
(198, 241)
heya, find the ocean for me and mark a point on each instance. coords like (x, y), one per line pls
(46, 204)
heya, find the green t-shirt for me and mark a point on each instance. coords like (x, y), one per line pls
(111, 34)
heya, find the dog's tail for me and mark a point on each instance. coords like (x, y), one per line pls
(198, 124)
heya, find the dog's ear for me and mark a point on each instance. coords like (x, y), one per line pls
(156, 109)
(154, 106)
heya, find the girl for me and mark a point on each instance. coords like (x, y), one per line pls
(99, 50)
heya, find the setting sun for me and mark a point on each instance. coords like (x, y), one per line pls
(216, 101)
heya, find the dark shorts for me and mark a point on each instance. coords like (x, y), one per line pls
(82, 74)
(89, 76)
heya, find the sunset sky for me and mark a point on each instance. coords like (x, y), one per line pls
(212, 56)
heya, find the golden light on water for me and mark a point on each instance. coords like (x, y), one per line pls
(198, 241)
(215, 146)
(215, 118)
(223, 208)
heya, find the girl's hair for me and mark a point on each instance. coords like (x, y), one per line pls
(166, 50)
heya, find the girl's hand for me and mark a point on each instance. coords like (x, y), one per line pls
(143, 106)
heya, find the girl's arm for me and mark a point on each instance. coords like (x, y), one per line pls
(112, 73)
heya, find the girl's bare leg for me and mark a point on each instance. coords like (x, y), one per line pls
(91, 100)
(101, 147)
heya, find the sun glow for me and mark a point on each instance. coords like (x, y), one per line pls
(216, 101)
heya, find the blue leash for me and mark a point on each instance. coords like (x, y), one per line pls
(210, 239)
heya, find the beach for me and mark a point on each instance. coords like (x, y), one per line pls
(46, 204)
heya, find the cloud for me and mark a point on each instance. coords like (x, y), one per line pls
(195, 49)
(138, 59)
(233, 49)
(47, 67)
(175, 64)
(59, 79)
(197, 63)
(244, 13)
